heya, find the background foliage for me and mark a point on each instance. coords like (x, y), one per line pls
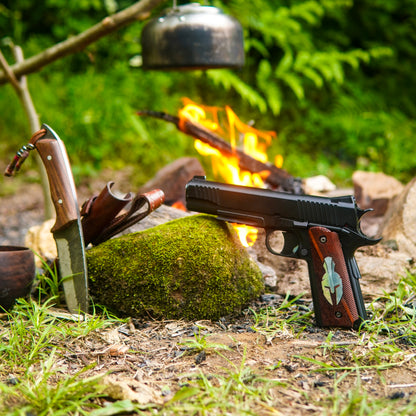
(333, 78)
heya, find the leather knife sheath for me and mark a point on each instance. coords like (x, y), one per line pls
(108, 214)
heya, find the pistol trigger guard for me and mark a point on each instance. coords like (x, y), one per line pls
(290, 247)
(268, 245)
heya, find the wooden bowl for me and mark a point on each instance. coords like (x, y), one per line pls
(17, 272)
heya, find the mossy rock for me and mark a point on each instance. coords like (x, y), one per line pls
(192, 268)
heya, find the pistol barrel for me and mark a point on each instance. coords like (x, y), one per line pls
(267, 208)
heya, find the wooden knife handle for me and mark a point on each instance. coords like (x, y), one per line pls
(55, 160)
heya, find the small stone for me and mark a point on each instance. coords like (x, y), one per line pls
(318, 184)
(269, 275)
(202, 356)
(375, 190)
(40, 239)
(173, 177)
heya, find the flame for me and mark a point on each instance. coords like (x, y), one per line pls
(179, 205)
(253, 142)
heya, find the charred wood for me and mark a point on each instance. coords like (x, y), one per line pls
(276, 178)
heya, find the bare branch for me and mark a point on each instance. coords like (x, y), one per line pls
(24, 94)
(8, 73)
(138, 11)
(22, 91)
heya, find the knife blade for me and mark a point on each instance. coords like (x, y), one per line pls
(67, 230)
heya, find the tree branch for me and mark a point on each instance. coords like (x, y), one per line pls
(138, 11)
(22, 91)
(8, 73)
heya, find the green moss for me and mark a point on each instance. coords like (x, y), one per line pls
(192, 268)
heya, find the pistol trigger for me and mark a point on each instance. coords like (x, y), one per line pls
(291, 246)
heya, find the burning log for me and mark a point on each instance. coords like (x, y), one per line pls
(273, 176)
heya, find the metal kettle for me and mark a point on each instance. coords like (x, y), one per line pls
(192, 36)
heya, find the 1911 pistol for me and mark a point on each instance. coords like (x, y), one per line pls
(323, 231)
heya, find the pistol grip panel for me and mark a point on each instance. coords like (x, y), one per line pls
(332, 293)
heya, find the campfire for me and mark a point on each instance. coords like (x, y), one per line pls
(227, 166)
(238, 151)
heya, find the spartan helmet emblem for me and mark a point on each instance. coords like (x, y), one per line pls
(331, 281)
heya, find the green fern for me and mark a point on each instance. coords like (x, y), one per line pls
(228, 80)
(292, 63)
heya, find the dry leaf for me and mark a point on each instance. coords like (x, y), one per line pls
(123, 388)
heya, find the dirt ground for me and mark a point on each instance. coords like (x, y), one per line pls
(150, 360)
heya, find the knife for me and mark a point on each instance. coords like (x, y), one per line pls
(67, 230)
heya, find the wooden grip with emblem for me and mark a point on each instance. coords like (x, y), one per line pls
(333, 281)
